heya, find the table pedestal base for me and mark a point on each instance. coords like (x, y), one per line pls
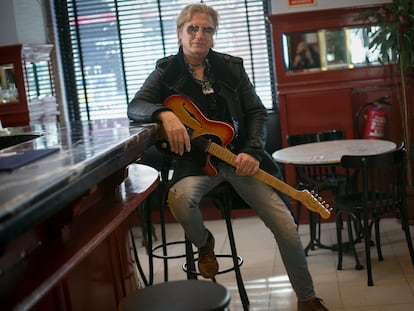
(315, 234)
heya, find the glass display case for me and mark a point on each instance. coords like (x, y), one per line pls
(327, 49)
(27, 92)
(8, 90)
(327, 45)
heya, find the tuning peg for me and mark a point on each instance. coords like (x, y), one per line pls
(320, 199)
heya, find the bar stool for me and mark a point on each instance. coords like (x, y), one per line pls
(184, 295)
(224, 197)
(161, 251)
(164, 164)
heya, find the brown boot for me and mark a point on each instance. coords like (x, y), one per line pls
(314, 304)
(207, 262)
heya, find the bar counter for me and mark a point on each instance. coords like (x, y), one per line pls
(49, 205)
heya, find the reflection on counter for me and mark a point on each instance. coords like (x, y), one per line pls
(88, 151)
(43, 110)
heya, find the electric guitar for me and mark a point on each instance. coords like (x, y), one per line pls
(213, 136)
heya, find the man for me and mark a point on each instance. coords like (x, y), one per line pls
(218, 84)
(306, 57)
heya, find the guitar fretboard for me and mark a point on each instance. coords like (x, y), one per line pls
(230, 158)
(304, 196)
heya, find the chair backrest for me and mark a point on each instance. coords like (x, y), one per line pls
(382, 179)
(331, 135)
(317, 178)
(299, 139)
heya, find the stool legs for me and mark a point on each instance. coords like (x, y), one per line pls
(153, 252)
(148, 233)
(137, 261)
(148, 221)
(161, 250)
(190, 268)
(240, 284)
(163, 246)
(163, 233)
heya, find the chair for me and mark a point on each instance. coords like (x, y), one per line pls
(317, 178)
(184, 295)
(225, 198)
(381, 192)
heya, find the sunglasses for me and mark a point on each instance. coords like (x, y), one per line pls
(192, 30)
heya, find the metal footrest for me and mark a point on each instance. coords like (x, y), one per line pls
(239, 263)
(161, 246)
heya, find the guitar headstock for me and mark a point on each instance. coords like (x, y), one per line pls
(315, 203)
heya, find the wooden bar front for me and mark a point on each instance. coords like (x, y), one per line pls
(77, 255)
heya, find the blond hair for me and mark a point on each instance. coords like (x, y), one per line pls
(188, 12)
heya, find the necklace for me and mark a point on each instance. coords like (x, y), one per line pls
(202, 64)
(206, 85)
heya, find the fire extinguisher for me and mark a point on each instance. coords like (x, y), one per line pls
(375, 119)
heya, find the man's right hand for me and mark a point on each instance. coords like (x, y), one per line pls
(177, 134)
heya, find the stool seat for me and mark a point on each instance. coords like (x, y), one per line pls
(184, 295)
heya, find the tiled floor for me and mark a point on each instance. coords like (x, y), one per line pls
(268, 286)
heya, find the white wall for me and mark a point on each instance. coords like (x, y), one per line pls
(281, 6)
(22, 21)
(8, 32)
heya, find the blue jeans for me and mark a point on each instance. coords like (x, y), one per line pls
(185, 195)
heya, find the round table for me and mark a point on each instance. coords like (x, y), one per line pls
(330, 152)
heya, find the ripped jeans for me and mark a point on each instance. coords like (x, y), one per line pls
(185, 195)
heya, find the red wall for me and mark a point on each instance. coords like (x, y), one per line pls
(313, 101)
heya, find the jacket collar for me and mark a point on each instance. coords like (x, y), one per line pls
(175, 68)
(221, 70)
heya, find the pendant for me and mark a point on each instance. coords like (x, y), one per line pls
(207, 88)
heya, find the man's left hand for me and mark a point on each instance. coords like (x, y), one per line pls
(246, 165)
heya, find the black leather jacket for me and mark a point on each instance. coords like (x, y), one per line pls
(246, 109)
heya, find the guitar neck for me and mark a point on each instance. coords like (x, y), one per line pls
(230, 158)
